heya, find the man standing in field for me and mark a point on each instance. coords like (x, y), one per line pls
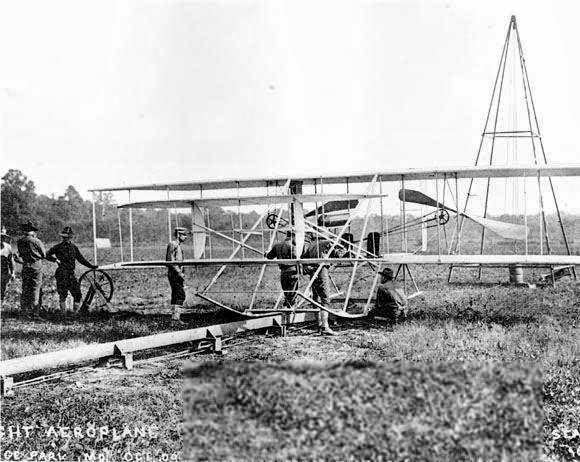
(31, 251)
(320, 248)
(391, 302)
(288, 273)
(65, 255)
(175, 273)
(8, 258)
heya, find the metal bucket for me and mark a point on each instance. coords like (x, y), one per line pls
(516, 274)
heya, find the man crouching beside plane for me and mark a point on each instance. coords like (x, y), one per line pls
(288, 273)
(391, 302)
(319, 248)
(175, 273)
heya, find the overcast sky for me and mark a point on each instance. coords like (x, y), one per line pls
(111, 93)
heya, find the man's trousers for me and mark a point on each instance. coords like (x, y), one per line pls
(31, 284)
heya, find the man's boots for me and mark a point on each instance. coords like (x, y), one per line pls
(176, 315)
(62, 304)
(76, 307)
(324, 329)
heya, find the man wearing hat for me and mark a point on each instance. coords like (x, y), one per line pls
(391, 302)
(288, 273)
(31, 251)
(175, 272)
(320, 248)
(8, 258)
(65, 255)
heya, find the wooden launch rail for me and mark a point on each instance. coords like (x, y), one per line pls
(124, 349)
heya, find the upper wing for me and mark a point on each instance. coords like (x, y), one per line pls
(389, 175)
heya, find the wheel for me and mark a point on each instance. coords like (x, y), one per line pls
(443, 217)
(271, 220)
(97, 287)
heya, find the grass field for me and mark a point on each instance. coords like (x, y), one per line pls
(465, 323)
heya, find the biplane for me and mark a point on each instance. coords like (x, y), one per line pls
(354, 220)
(403, 218)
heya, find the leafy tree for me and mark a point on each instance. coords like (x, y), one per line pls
(49, 216)
(18, 199)
(73, 208)
(72, 196)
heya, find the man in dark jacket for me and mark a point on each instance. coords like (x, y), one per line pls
(175, 274)
(66, 254)
(31, 251)
(320, 248)
(391, 302)
(288, 273)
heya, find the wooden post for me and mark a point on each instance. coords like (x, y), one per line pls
(384, 232)
(130, 229)
(94, 231)
(443, 202)
(526, 211)
(126, 357)
(168, 219)
(6, 386)
(457, 230)
(437, 217)
(209, 236)
(316, 218)
(233, 232)
(404, 217)
(348, 206)
(240, 221)
(120, 233)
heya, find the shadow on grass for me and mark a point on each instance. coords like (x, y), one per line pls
(59, 338)
(507, 306)
(57, 331)
(469, 315)
(460, 316)
(197, 315)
